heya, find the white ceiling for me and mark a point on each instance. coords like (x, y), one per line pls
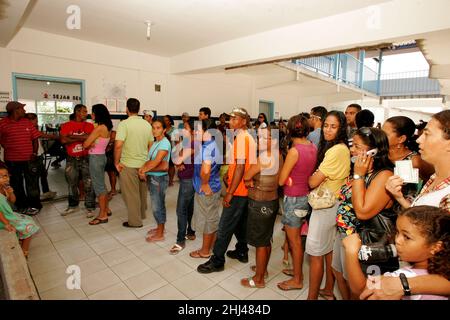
(180, 25)
(11, 13)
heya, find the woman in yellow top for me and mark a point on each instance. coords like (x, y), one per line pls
(333, 167)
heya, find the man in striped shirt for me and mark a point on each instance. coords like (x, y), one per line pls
(18, 136)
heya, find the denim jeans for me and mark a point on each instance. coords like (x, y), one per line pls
(232, 221)
(20, 170)
(185, 207)
(97, 164)
(157, 186)
(74, 168)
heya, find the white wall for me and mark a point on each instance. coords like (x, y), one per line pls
(40, 53)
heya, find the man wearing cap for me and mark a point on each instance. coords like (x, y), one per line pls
(185, 118)
(19, 138)
(234, 214)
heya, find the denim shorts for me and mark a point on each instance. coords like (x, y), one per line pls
(97, 164)
(295, 211)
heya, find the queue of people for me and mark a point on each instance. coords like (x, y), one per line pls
(322, 155)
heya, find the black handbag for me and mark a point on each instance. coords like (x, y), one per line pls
(379, 229)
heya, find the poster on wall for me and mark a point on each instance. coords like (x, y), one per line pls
(5, 97)
(111, 104)
(121, 105)
(276, 115)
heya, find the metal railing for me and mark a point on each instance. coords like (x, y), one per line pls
(346, 68)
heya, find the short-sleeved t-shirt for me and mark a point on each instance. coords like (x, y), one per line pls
(244, 149)
(76, 149)
(17, 138)
(136, 134)
(157, 146)
(314, 136)
(336, 167)
(209, 152)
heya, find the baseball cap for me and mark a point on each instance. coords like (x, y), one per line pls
(241, 112)
(13, 105)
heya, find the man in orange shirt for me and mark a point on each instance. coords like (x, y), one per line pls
(234, 214)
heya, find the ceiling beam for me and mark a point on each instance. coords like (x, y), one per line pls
(440, 71)
(389, 22)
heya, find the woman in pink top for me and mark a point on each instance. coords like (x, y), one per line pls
(97, 142)
(298, 167)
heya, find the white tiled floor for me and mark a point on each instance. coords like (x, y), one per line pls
(117, 263)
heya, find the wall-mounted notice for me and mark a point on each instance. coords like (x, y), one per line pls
(5, 97)
(121, 105)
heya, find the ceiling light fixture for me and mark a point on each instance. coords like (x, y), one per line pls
(149, 26)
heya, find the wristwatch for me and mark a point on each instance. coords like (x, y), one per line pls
(357, 177)
(405, 284)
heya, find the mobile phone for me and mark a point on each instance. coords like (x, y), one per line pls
(372, 153)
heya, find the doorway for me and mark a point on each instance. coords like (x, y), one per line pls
(267, 107)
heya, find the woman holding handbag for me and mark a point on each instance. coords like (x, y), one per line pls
(363, 198)
(333, 167)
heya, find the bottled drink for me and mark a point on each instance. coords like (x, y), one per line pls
(377, 252)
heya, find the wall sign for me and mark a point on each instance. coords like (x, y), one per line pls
(5, 97)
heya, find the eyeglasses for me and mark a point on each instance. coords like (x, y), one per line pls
(314, 116)
(3, 176)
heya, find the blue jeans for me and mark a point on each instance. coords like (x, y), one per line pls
(232, 221)
(74, 168)
(185, 207)
(97, 164)
(157, 186)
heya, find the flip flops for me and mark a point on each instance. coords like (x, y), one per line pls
(250, 283)
(196, 254)
(176, 248)
(97, 221)
(324, 295)
(288, 272)
(152, 238)
(285, 286)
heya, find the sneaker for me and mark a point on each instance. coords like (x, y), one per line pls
(234, 254)
(209, 267)
(90, 213)
(48, 195)
(32, 211)
(69, 210)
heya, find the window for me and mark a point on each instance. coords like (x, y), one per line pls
(50, 113)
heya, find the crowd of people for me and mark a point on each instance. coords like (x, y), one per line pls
(328, 172)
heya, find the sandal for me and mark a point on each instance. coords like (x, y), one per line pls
(109, 213)
(190, 237)
(288, 272)
(197, 254)
(152, 231)
(98, 221)
(324, 295)
(250, 283)
(152, 238)
(176, 248)
(285, 286)
(266, 274)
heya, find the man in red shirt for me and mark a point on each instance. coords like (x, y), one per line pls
(18, 137)
(73, 134)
